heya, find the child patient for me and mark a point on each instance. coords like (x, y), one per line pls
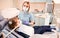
(12, 23)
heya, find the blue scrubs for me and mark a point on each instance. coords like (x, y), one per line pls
(26, 17)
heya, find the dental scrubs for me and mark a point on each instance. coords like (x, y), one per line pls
(25, 16)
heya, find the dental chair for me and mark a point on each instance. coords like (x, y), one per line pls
(10, 13)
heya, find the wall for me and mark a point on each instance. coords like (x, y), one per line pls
(57, 10)
(33, 5)
(6, 4)
(38, 5)
(56, 13)
(18, 4)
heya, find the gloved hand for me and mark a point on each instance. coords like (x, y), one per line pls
(25, 22)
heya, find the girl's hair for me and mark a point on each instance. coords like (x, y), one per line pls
(12, 23)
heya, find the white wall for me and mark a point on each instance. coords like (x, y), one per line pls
(6, 4)
(56, 1)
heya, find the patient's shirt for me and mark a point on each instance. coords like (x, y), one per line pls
(3, 22)
(6, 30)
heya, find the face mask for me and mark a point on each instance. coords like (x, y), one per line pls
(25, 9)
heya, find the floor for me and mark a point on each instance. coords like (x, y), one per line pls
(46, 35)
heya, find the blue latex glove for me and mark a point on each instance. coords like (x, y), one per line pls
(25, 22)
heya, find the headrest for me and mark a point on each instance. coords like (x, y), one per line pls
(9, 12)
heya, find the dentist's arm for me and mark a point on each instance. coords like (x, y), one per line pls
(31, 20)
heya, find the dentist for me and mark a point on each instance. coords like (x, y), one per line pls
(26, 30)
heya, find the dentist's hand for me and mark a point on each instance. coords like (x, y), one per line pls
(32, 23)
(25, 23)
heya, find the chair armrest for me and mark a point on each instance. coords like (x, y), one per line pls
(19, 36)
